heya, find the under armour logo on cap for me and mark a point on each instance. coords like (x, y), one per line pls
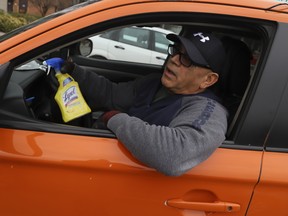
(203, 38)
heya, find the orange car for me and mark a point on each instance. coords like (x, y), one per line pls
(51, 168)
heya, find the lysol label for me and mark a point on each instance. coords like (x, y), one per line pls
(69, 95)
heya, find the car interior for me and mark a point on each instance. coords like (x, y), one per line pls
(29, 97)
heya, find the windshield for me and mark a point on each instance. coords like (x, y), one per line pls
(45, 19)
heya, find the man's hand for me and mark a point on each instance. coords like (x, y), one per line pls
(67, 67)
(55, 63)
(103, 120)
(108, 115)
(60, 64)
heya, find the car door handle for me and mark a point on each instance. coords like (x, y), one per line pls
(216, 206)
(160, 58)
(119, 47)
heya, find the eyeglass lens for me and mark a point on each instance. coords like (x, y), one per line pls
(184, 58)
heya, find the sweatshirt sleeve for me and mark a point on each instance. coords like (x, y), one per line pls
(100, 92)
(194, 134)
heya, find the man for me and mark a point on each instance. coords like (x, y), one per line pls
(171, 121)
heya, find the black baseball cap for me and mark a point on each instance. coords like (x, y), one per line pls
(203, 48)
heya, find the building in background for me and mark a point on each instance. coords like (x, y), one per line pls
(25, 6)
(3, 5)
(20, 6)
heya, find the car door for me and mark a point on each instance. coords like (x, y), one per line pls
(271, 191)
(65, 170)
(131, 45)
(74, 175)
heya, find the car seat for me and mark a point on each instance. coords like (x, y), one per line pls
(235, 76)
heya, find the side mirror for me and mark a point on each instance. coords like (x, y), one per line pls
(85, 47)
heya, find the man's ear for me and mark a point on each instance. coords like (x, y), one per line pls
(210, 79)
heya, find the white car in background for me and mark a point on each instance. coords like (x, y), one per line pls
(134, 44)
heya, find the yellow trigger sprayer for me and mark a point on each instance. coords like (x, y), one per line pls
(68, 96)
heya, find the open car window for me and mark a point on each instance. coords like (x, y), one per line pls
(144, 45)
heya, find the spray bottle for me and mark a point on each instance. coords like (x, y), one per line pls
(68, 96)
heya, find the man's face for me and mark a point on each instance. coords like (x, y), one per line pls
(181, 79)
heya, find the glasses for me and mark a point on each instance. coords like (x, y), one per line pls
(183, 57)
